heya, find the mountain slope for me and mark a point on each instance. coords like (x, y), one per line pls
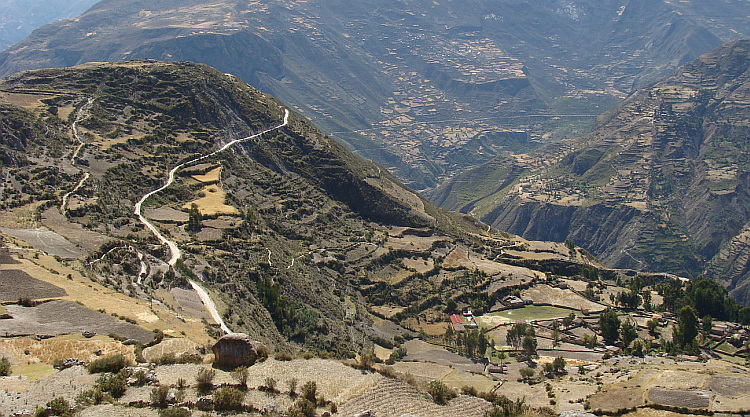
(21, 17)
(661, 184)
(298, 240)
(425, 88)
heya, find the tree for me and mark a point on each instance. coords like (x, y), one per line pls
(529, 346)
(526, 373)
(687, 327)
(652, 325)
(517, 333)
(628, 299)
(609, 324)
(556, 335)
(628, 333)
(195, 219)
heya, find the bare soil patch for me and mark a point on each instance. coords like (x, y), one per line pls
(64, 317)
(729, 386)
(680, 398)
(47, 241)
(166, 214)
(16, 284)
(74, 232)
(209, 234)
(562, 298)
(176, 346)
(418, 350)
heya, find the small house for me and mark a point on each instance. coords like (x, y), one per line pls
(457, 323)
(235, 349)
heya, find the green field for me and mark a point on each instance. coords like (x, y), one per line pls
(533, 313)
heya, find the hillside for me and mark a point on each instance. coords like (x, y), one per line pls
(425, 88)
(661, 184)
(299, 240)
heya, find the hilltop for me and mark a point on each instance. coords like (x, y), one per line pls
(659, 185)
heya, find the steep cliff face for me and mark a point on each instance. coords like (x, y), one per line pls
(660, 184)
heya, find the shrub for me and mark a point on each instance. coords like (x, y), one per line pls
(159, 396)
(140, 378)
(59, 407)
(4, 367)
(440, 392)
(310, 391)
(292, 384)
(240, 375)
(269, 384)
(526, 373)
(228, 398)
(467, 390)
(175, 412)
(205, 379)
(302, 408)
(93, 396)
(115, 385)
(111, 364)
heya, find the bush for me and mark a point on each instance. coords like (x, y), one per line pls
(302, 408)
(59, 407)
(4, 367)
(310, 391)
(292, 384)
(111, 364)
(114, 385)
(440, 392)
(228, 398)
(158, 396)
(91, 397)
(205, 379)
(175, 412)
(526, 373)
(240, 375)
(269, 385)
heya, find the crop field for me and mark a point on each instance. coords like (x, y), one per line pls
(544, 294)
(64, 317)
(680, 398)
(530, 313)
(16, 284)
(212, 202)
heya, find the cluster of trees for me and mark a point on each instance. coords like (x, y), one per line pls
(522, 337)
(472, 343)
(613, 329)
(706, 297)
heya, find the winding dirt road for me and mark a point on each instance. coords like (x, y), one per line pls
(174, 251)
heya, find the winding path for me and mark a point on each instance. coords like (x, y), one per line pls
(174, 251)
(81, 144)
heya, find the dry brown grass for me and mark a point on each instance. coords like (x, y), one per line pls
(213, 202)
(211, 176)
(63, 347)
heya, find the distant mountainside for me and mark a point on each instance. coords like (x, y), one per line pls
(427, 88)
(662, 184)
(20, 17)
(299, 240)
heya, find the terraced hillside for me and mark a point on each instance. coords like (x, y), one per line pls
(661, 184)
(296, 239)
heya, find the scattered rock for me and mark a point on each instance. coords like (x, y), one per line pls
(68, 363)
(88, 334)
(204, 404)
